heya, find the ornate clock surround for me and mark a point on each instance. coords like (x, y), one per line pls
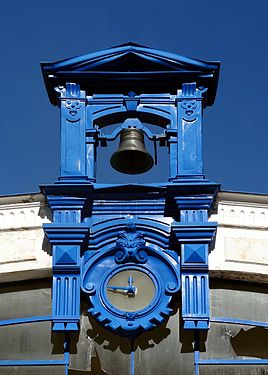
(130, 253)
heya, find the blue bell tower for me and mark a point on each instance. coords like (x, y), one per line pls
(131, 249)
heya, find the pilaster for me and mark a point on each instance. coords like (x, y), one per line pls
(189, 132)
(193, 237)
(73, 124)
(68, 236)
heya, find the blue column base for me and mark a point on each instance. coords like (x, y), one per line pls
(195, 324)
(65, 326)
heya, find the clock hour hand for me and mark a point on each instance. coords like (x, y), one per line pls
(114, 287)
(130, 289)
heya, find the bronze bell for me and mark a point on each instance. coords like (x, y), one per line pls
(131, 156)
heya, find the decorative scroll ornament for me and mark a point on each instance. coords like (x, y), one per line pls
(130, 244)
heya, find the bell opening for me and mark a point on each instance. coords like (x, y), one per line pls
(107, 174)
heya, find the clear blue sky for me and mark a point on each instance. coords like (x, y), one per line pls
(235, 32)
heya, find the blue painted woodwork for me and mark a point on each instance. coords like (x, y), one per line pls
(233, 362)
(255, 323)
(68, 236)
(32, 319)
(197, 360)
(35, 362)
(55, 362)
(91, 236)
(189, 107)
(131, 67)
(66, 284)
(130, 252)
(73, 121)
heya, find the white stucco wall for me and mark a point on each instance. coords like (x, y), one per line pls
(23, 251)
(241, 247)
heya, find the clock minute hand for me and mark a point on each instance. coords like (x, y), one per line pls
(130, 280)
(132, 289)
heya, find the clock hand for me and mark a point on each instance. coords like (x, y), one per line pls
(130, 280)
(132, 289)
(114, 287)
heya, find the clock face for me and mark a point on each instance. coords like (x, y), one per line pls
(130, 290)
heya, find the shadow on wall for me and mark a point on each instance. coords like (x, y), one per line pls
(251, 343)
(95, 342)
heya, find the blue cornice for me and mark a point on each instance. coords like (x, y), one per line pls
(132, 191)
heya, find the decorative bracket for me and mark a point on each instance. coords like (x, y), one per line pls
(193, 241)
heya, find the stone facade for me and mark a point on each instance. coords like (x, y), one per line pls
(24, 253)
(237, 262)
(241, 247)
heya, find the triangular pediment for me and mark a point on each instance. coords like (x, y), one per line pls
(129, 62)
(129, 66)
(129, 57)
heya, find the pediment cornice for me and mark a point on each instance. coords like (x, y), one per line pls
(130, 67)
